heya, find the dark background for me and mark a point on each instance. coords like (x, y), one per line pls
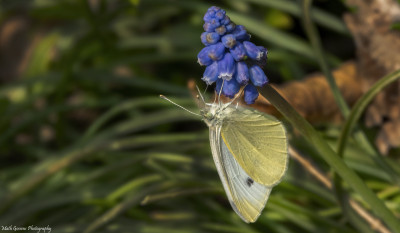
(85, 138)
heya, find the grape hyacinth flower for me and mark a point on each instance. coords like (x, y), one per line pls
(231, 60)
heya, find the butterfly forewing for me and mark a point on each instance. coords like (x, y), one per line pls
(246, 196)
(258, 143)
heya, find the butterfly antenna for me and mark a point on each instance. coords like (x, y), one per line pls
(220, 91)
(165, 98)
(201, 96)
(236, 98)
(204, 93)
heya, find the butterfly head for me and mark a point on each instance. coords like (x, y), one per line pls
(208, 115)
(214, 114)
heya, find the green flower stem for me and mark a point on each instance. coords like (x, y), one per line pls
(330, 157)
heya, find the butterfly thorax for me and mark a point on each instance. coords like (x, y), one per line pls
(214, 114)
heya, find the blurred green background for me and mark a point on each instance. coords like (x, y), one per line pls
(86, 145)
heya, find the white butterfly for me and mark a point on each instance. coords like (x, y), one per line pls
(249, 149)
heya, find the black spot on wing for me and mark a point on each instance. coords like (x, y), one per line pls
(249, 181)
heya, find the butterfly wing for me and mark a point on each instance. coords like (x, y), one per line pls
(258, 142)
(246, 196)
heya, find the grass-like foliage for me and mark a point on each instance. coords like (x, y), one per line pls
(87, 145)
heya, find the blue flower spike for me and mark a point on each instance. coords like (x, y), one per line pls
(231, 60)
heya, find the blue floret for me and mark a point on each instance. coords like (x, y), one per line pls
(211, 73)
(226, 67)
(230, 88)
(238, 52)
(209, 38)
(257, 76)
(203, 57)
(216, 51)
(253, 51)
(231, 60)
(229, 41)
(240, 33)
(242, 73)
(250, 94)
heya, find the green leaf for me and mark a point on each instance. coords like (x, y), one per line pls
(323, 18)
(42, 55)
(361, 104)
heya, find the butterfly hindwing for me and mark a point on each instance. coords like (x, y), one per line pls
(246, 196)
(258, 143)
